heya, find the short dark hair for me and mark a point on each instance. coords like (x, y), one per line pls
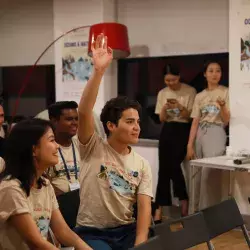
(171, 69)
(55, 109)
(112, 111)
(19, 162)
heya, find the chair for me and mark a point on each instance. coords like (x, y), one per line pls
(192, 233)
(68, 204)
(152, 244)
(224, 217)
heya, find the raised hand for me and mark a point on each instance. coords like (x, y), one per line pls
(102, 54)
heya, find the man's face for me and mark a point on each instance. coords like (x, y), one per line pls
(1, 116)
(128, 129)
(68, 122)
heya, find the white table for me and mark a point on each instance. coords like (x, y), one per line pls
(219, 162)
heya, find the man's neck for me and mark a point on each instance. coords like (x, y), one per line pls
(65, 142)
(120, 148)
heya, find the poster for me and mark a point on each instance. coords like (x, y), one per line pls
(245, 40)
(76, 64)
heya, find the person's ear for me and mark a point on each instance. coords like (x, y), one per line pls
(111, 126)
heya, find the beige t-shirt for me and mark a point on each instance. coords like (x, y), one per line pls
(205, 106)
(110, 183)
(58, 174)
(2, 133)
(13, 201)
(185, 96)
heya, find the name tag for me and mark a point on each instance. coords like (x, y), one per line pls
(73, 186)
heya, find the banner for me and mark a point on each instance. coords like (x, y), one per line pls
(76, 64)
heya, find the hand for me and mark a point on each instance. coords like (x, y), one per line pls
(190, 153)
(102, 55)
(220, 102)
(166, 106)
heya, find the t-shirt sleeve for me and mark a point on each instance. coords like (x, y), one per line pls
(191, 100)
(13, 201)
(159, 103)
(53, 198)
(196, 113)
(146, 186)
(87, 149)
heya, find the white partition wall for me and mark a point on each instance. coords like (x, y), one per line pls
(239, 35)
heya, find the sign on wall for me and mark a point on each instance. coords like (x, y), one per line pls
(76, 64)
(244, 21)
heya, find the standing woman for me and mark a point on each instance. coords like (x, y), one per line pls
(174, 105)
(207, 136)
(28, 206)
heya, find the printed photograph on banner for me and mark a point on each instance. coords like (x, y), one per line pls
(76, 64)
(245, 40)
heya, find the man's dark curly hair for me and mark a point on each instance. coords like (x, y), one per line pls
(112, 111)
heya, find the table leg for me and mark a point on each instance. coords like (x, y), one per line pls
(231, 183)
(191, 190)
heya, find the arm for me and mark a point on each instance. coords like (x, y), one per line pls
(184, 113)
(64, 234)
(225, 114)
(224, 108)
(26, 227)
(192, 136)
(163, 114)
(102, 57)
(143, 219)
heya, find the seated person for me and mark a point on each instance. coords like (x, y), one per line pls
(64, 175)
(28, 206)
(113, 177)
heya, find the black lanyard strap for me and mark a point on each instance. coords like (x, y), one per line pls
(65, 165)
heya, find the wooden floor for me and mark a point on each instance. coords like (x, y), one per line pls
(233, 240)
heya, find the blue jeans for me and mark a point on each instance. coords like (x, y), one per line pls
(118, 238)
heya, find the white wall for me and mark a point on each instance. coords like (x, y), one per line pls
(26, 29)
(160, 27)
(239, 97)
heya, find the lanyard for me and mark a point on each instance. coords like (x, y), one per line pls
(65, 165)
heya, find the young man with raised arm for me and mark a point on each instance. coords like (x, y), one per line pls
(113, 177)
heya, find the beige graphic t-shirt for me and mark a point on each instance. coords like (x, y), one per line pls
(13, 201)
(205, 106)
(185, 96)
(58, 173)
(110, 183)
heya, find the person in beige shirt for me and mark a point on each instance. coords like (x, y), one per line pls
(64, 175)
(2, 132)
(28, 205)
(207, 136)
(113, 177)
(174, 105)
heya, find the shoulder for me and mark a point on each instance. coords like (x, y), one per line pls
(10, 187)
(163, 91)
(223, 88)
(140, 161)
(190, 89)
(201, 94)
(9, 183)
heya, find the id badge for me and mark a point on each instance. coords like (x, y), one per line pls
(74, 186)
